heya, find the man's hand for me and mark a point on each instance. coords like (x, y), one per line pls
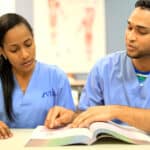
(93, 114)
(58, 116)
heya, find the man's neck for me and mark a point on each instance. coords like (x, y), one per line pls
(142, 64)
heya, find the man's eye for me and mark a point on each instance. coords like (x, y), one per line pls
(129, 28)
(142, 32)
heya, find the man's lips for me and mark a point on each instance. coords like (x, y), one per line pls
(131, 47)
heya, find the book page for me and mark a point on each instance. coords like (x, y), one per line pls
(43, 136)
(123, 132)
(41, 132)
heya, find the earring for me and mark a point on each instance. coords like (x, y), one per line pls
(4, 56)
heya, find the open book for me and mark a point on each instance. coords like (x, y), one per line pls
(42, 136)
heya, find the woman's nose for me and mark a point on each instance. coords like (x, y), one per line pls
(24, 53)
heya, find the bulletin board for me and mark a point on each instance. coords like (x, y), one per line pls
(69, 33)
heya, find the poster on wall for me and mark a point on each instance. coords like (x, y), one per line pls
(69, 33)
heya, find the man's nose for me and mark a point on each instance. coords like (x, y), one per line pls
(131, 35)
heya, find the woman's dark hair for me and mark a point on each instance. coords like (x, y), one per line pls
(144, 4)
(7, 22)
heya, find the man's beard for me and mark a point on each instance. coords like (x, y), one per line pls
(138, 55)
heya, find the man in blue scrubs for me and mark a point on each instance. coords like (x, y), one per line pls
(118, 86)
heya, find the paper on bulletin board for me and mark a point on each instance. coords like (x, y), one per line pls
(7, 6)
(70, 33)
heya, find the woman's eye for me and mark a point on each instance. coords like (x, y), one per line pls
(28, 43)
(14, 50)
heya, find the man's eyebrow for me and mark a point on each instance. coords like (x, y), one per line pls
(140, 26)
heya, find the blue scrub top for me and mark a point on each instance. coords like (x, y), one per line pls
(113, 81)
(48, 87)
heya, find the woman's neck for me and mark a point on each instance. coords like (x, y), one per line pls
(23, 79)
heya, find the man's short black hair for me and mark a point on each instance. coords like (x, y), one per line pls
(145, 4)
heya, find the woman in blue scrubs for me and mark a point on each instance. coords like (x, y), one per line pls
(31, 93)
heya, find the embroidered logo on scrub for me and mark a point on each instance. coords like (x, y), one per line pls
(49, 93)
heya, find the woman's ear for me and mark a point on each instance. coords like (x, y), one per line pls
(2, 53)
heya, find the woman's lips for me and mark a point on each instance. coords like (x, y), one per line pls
(27, 63)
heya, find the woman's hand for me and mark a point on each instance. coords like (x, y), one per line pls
(59, 116)
(4, 131)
